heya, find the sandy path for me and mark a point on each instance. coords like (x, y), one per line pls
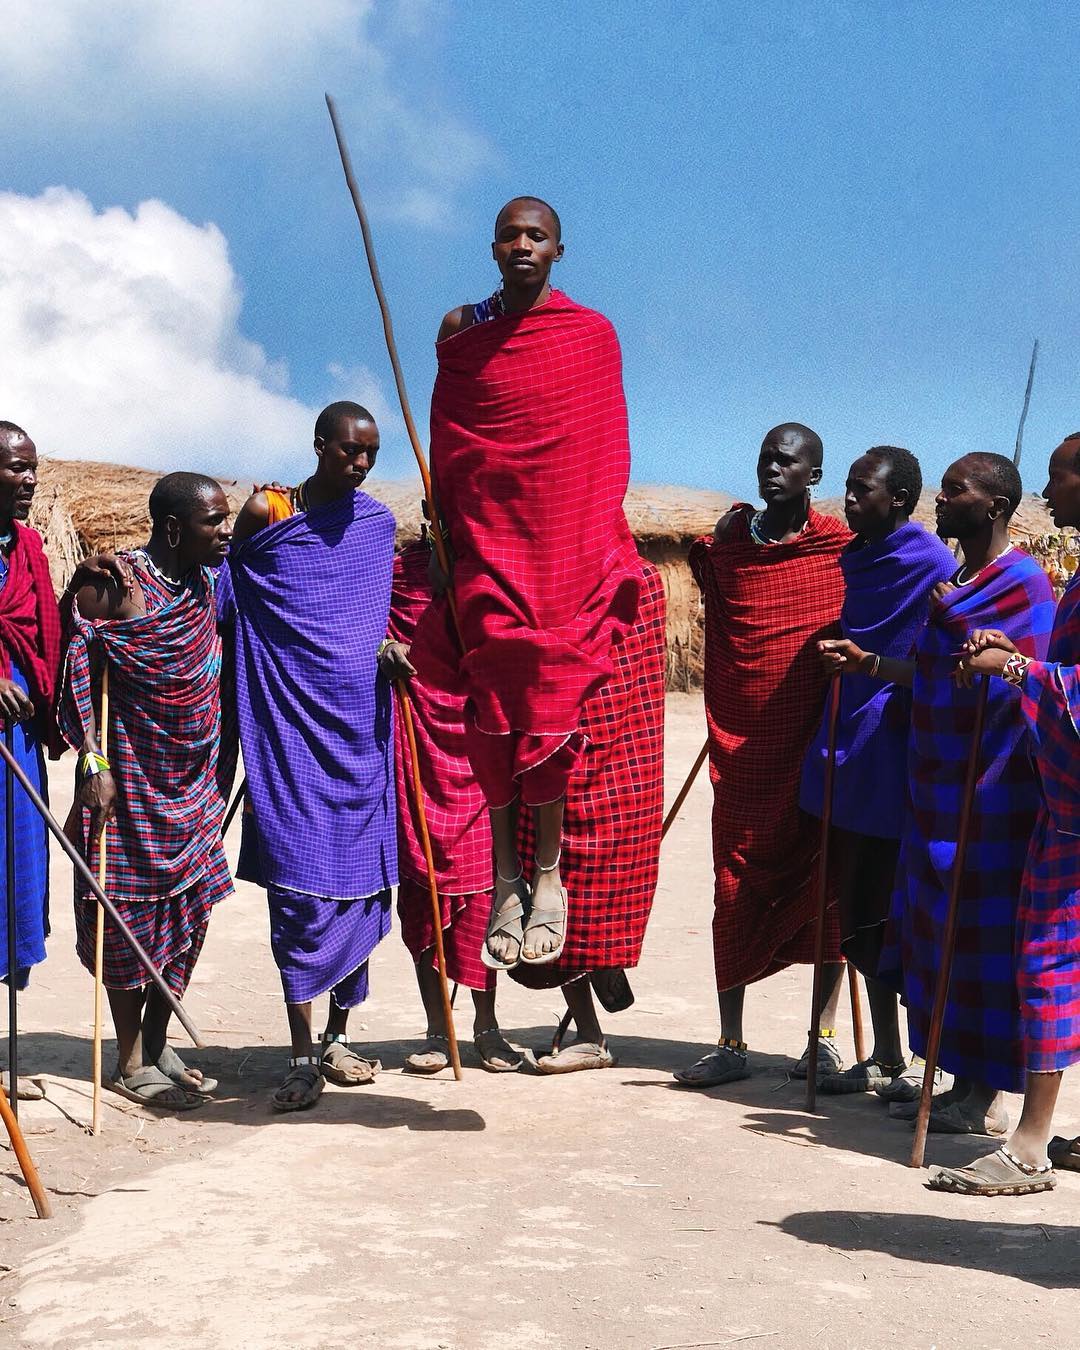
(606, 1210)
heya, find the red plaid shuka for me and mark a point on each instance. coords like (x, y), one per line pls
(1048, 920)
(614, 808)
(457, 815)
(766, 606)
(30, 625)
(530, 456)
(164, 722)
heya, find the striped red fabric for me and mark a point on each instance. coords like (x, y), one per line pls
(614, 808)
(531, 461)
(766, 605)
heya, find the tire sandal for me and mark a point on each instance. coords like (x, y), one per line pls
(434, 1045)
(576, 1057)
(726, 1064)
(552, 919)
(506, 921)
(829, 1062)
(1064, 1153)
(172, 1066)
(496, 1053)
(950, 1119)
(999, 1173)
(148, 1086)
(866, 1076)
(339, 1062)
(304, 1071)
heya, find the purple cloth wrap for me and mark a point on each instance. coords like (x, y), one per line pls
(886, 600)
(312, 595)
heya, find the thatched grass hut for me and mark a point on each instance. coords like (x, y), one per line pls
(84, 507)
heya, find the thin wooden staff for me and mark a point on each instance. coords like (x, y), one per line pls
(822, 892)
(22, 1155)
(1018, 452)
(433, 885)
(441, 552)
(234, 808)
(952, 925)
(12, 922)
(391, 347)
(99, 932)
(857, 1028)
(669, 819)
(79, 862)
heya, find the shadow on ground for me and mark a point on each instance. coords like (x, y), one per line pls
(1047, 1255)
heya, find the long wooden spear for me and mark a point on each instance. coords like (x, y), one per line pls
(833, 718)
(1027, 400)
(952, 926)
(22, 1154)
(99, 931)
(440, 552)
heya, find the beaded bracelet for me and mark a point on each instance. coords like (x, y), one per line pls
(1014, 668)
(90, 763)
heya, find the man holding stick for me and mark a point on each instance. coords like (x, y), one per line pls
(530, 461)
(156, 795)
(29, 658)
(1000, 587)
(310, 594)
(1048, 926)
(773, 588)
(890, 569)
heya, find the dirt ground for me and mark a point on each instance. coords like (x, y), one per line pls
(602, 1211)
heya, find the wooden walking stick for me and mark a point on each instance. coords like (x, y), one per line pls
(857, 1029)
(99, 932)
(952, 925)
(233, 808)
(12, 921)
(79, 862)
(676, 805)
(822, 892)
(22, 1156)
(439, 542)
(433, 885)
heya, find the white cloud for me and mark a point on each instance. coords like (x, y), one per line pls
(85, 64)
(121, 341)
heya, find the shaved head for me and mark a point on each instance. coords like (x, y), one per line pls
(180, 495)
(533, 201)
(11, 435)
(808, 439)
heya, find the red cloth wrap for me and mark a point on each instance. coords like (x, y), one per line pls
(531, 460)
(766, 606)
(457, 816)
(614, 808)
(30, 626)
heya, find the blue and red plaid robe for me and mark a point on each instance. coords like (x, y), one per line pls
(165, 866)
(1048, 924)
(981, 1038)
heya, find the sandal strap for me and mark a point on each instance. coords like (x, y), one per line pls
(337, 1038)
(541, 868)
(730, 1043)
(1028, 1169)
(299, 1061)
(509, 881)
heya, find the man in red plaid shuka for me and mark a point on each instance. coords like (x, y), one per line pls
(773, 588)
(1048, 918)
(156, 794)
(530, 460)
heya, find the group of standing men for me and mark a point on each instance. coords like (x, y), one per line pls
(530, 675)
(792, 599)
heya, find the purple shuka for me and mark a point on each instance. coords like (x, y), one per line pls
(886, 600)
(311, 596)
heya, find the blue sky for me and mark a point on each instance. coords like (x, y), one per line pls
(854, 215)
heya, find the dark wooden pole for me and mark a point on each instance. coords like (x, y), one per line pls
(952, 924)
(676, 805)
(822, 893)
